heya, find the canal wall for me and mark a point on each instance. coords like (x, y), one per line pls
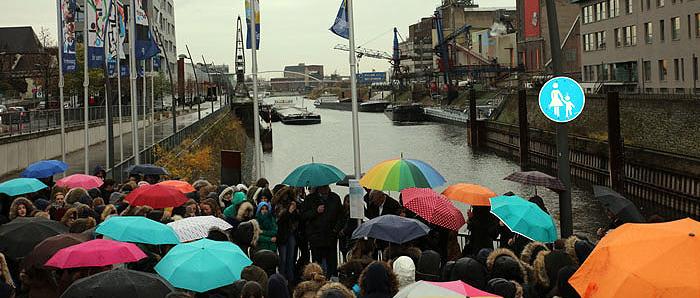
(661, 166)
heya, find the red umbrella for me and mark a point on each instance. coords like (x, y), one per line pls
(156, 196)
(96, 253)
(433, 207)
(80, 180)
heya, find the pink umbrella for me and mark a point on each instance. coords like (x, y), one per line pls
(80, 180)
(96, 253)
(433, 207)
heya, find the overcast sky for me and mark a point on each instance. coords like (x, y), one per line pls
(293, 31)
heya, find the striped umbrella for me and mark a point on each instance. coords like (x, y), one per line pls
(399, 174)
(433, 207)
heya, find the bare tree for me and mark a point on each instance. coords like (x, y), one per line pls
(46, 38)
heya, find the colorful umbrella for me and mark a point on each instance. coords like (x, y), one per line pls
(450, 289)
(43, 251)
(147, 169)
(643, 260)
(137, 229)
(433, 207)
(399, 174)
(203, 265)
(314, 174)
(472, 194)
(623, 208)
(197, 227)
(182, 186)
(80, 180)
(18, 237)
(44, 169)
(20, 186)
(524, 218)
(536, 178)
(119, 282)
(391, 228)
(156, 196)
(96, 253)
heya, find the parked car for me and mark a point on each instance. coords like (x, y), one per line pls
(15, 115)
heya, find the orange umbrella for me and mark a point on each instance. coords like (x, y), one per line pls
(643, 260)
(180, 185)
(472, 194)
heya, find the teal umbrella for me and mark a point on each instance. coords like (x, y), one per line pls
(203, 265)
(314, 174)
(20, 186)
(524, 218)
(137, 229)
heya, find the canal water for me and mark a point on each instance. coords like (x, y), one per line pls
(441, 145)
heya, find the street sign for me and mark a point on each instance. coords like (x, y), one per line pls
(562, 99)
(371, 77)
(357, 203)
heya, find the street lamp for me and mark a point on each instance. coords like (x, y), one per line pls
(196, 82)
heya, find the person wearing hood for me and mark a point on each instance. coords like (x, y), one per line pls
(231, 210)
(578, 248)
(378, 281)
(226, 197)
(252, 289)
(286, 212)
(547, 266)
(471, 272)
(21, 207)
(429, 266)
(243, 236)
(529, 255)
(323, 213)
(58, 203)
(277, 286)
(78, 195)
(99, 172)
(503, 263)
(210, 207)
(483, 228)
(505, 288)
(268, 227)
(405, 270)
(244, 211)
(256, 274)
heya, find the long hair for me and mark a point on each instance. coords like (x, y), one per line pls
(5, 271)
(15, 206)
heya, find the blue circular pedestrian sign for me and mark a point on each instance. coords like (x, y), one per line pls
(562, 99)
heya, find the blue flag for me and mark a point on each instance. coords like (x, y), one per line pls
(340, 27)
(251, 5)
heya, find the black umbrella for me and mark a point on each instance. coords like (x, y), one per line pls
(18, 237)
(147, 169)
(391, 228)
(623, 208)
(537, 179)
(119, 283)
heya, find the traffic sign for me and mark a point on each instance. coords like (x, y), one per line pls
(562, 99)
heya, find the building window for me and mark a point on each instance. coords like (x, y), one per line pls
(603, 75)
(628, 7)
(662, 30)
(648, 32)
(618, 37)
(660, 3)
(630, 35)
(676, 28)
(690, 35)
(676, 69)
(600, 38)
(614, 8)
(683, 69)
(695, 68)
(601, 11)
(648, 4)
(647, 70)
(588, 16)
(680, 91)
(663, 90)
(663, 70)
(586, 43)
(697, 25)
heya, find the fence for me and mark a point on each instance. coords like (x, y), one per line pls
(662, 191)
(148, 156)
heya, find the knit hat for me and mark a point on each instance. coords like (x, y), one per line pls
(41, 204)
(405, 270)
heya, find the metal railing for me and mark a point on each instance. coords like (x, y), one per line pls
(13, 123)
(148, 155)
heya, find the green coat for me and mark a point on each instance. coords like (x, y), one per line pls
(268, 225)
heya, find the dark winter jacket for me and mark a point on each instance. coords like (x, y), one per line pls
(429, 266)
(471, 272)
(547, 266)
(504, 264)
(375, 282)
(277, 286)
(483, 228)
(322, 228)
(287, 223)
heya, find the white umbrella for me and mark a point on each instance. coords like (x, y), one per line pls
(197, 227)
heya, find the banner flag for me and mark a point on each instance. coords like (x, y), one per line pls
(249, 4)
(340, 26)
(97, 11)
(67, 38)
(146, 46)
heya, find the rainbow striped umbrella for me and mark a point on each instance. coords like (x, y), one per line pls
(399, 174)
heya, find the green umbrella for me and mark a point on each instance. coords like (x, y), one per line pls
(313, 175)
(20, 186)
(524, 218)
(137, 229)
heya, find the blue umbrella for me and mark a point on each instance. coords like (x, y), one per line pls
(524, 218)
(203, 265)
(137, 229)
(314, 174)
(20, 186)
(391, 228)
(44, 169)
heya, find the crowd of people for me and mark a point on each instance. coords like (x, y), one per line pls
(299, 240)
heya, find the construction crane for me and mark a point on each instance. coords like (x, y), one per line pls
(241, 90)
(394, 58)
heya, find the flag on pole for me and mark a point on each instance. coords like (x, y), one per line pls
(249, 4)
(146, 46)
(97, 13)
(67, 38)
(340, 26)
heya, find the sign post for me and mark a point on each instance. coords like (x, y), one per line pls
(357, 193)
(562, 100)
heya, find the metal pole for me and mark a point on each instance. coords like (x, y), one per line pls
(564, 171)
(132, 76)
(173, 102)
(109, 138)
(206, 68)
(153, 116)
(143, 102)
(353, 91)
(61, 82)
(86, 85)
(256, 110)
(119, 95)
(196, 84)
